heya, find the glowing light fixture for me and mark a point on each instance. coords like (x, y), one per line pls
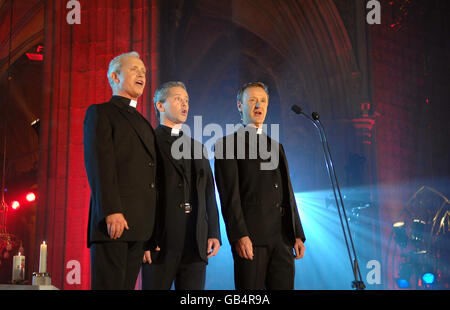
(402, 283)
(31, 197)
(428, 278)
(15, 205)
(398, 224)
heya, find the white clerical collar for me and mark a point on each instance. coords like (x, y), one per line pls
(175, 130)
(259, 129)
(133, 103)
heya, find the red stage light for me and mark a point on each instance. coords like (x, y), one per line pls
(15, 205)
(31, 197)
(34, 56)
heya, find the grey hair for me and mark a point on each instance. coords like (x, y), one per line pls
(116, 64)
(163, 91)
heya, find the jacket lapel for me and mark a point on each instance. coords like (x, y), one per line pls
(162, 139)
(145, 140)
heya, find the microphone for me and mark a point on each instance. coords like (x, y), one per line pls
(296, 109)
(315, 116)
(358, 283)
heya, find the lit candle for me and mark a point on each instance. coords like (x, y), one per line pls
(18, 272)
(43, 258)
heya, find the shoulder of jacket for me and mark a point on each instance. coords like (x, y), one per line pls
(100, 106)
(227, 137)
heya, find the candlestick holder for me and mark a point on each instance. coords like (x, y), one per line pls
(41, 278)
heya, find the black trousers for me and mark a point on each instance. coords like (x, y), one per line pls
(115, 265)
(272, 267)
(188, 273)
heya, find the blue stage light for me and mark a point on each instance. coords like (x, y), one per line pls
(428, 278)
(402, 283)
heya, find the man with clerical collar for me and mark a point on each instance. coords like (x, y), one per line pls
(120, 160)
(187, 230)
(258, 203)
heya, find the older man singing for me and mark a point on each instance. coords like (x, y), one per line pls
(120, 161)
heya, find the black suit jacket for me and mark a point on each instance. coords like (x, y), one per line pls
(171, 195)
(245, 191)
(120, 161)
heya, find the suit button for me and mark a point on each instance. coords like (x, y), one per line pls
(275, 185)
(152, 185)
(151, 164)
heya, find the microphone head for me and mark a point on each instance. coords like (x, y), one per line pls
(315, 116)
(296, 109)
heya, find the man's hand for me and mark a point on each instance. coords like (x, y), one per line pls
(116, 223)
(213, 247)
(244, 248)
(299, 248)
(148, 256)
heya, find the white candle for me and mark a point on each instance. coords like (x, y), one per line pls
(43, 258)
(18, 272)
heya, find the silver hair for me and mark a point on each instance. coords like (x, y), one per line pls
(116, 64)
(163, 91)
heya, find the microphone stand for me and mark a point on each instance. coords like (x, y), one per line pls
(357, 283)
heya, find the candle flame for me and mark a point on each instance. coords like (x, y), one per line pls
(43, 242)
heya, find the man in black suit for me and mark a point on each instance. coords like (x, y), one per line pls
(258, 204)
(120, 161)
(189, 233)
